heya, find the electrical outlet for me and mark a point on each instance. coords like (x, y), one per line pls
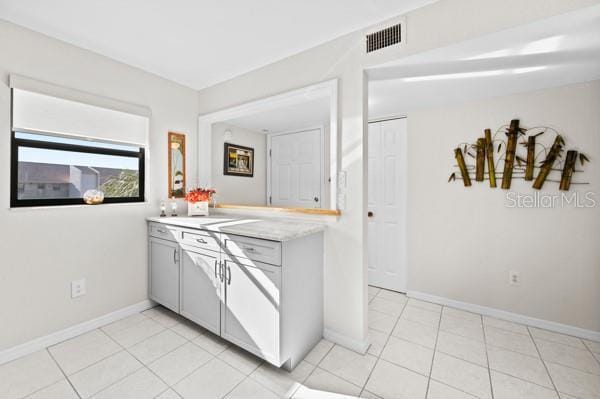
(514, 278)
(78, 288)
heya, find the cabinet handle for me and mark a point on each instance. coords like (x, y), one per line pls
(201, 241)
(220, 271)
(174, 255)
(215, 268)
(161, 231)
(229, 278)
(250, 249)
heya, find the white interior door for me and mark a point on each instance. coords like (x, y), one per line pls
(387, 204)
(296, 169)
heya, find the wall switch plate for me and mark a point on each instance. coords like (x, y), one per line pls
(514, 278)
(78, 288)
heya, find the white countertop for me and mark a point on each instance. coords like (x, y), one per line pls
(276, 229)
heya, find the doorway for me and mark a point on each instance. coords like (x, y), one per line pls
(386, 226)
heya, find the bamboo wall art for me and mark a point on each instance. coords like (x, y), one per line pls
(533, 154)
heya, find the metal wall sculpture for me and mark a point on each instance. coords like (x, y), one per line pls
(533, 154)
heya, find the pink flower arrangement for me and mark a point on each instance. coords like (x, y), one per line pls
(199, 194)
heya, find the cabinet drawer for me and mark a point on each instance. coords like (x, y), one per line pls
(165, 232)
(252, 248)
(201, 239)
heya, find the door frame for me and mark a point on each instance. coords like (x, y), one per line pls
(270, 136)
(326, 89)
(403, 211)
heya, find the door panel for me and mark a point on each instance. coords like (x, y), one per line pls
(387, 204)
(164, 273)
(251, 308)
(296, 165)
(201, 288)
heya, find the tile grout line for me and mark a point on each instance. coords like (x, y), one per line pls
(316, 367)
(591, 352)
(384, 345)
(246, 376)
(65, 374)
(55, 382)
(236, 385)
(543, 362)
(142, 363)
(166, 390)
(437, 336)
(487, 357)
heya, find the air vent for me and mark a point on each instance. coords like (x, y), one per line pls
(384, 38)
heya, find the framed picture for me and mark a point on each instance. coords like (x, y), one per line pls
(239, 160)
(176, 165)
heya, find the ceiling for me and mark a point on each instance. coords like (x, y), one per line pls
(554, 52)
(199, 43)
(307, 114)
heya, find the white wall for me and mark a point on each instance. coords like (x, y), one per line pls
(237, 189)
(44, 250)
(464, 241)
(439, 24)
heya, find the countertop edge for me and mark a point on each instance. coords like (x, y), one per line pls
(306, 230)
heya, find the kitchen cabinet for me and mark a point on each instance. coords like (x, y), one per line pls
(251, 307)
(163, 281)
(201, 288)
(264, 296)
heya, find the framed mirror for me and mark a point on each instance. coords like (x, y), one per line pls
(279, 152)
(176, 148)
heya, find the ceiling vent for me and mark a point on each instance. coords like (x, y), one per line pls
(384, 38)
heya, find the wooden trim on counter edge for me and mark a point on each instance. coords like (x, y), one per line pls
(309, 211)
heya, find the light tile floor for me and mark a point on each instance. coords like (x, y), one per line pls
(419, 350)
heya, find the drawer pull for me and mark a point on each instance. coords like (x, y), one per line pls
(201, 241)
(161, 231)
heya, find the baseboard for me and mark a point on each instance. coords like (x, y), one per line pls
(51, 339)
(342, 340)
(509, 316)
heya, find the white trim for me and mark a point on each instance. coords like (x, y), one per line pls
(509, 316)
(327, 89)
(59, 336)
(270, 136)
(49, 89)
(347, 342)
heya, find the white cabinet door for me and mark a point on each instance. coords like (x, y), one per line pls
(201, 288)
(251, 308)
(163, 278)
(387, 204)
(296, 170)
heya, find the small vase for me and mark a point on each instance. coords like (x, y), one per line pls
(199, 208)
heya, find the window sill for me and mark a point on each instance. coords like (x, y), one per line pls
(40, 208)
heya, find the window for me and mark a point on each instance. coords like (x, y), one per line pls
(54, 170)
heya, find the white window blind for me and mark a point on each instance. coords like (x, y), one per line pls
(43, 107)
